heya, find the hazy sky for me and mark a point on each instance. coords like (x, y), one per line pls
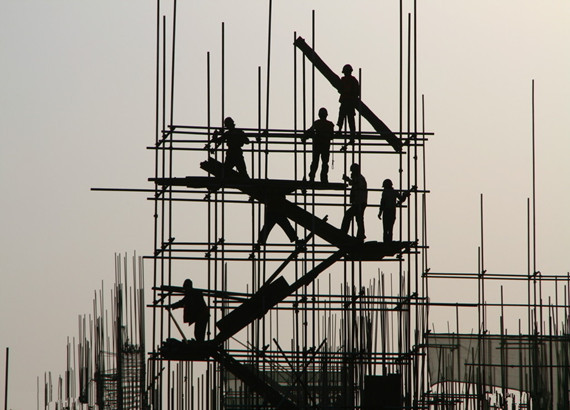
(77, 99)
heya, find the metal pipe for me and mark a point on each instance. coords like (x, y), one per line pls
(6, 379)
(268, 75)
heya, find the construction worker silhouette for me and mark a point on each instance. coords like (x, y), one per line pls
(235, 139)
(358, 201)
(390, 200)
(195, 309)
(349, 96)
(322, 132)
(274, 215)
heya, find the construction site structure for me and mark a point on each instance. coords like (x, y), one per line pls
(106, 363)
(323, 326)
(328, 319)
(311, 324)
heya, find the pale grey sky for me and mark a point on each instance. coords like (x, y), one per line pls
(77, 99)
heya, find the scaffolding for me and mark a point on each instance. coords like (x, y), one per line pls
(106, 364)
(307, 324)
(328, 320)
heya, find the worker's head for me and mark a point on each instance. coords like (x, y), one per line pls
(355, 169)
(387, 183)
(347, 69)
(229, 122)
(323, 113)
(187, 285)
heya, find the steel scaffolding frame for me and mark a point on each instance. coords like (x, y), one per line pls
(343, 328)
(340, 326)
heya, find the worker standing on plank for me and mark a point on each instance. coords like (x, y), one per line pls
(358, 201)
(195, 309)
(390, 200)
(349, 95)
(322, 132)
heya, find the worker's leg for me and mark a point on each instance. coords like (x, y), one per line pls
(229, 163)
(287, 228)
(200, 329)
(268, 224)
(360, 221)
(240, 165)
(325, 155)
(341, 116)
(350, 113)
(388, 222)
(314, 164)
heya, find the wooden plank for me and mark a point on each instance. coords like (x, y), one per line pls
(292, 211)
(254, 308)
(375, 251)
(292, 256)
(187, 350)
(310, 276)
(267, 297)
(263, 191)
(281, 185)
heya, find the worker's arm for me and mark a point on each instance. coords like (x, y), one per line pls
(176, 305)
(404, 195)
(217, 139)
(309, 133)
(245, 138)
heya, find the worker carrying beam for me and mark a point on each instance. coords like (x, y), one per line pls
(349, 96)
(362, 108)
(322, 132)
(235, 139)
(195, 309)
(358, 201)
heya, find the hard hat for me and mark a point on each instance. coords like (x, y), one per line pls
(187, 284)
(229, 122)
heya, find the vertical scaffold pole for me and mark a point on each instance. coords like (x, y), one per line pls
(6, 379)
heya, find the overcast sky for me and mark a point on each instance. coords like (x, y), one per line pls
(77, 99)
